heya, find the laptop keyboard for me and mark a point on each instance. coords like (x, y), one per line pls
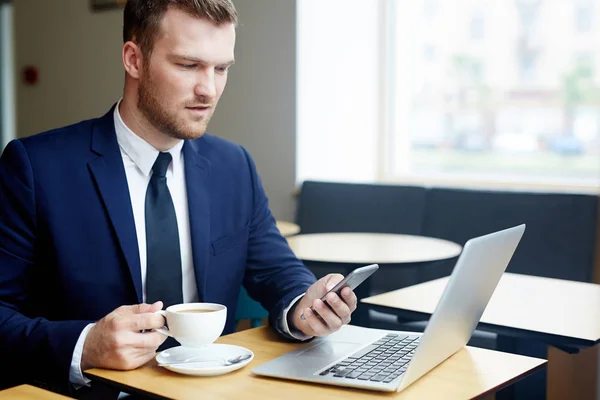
(382, 361)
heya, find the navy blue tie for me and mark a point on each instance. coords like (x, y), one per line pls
(163, 266)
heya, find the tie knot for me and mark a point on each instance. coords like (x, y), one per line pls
(161, 164)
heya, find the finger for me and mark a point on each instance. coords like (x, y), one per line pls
(332, 280)
(144, 358)
(149, 341)
(122, 341)
(147, 308)
(339, 307)
(146, 321)
(349, 298)
(140, 358)
(136, 357)
(134, 309)
(331, 319)
(315, 323)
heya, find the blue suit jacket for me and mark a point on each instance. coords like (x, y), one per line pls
(68, 246)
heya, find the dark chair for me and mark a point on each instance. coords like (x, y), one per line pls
(353, 207)
(559, 240)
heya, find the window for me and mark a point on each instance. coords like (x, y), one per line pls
(338, 87)
(527, 60)
(510, 100)
(477, 25)
(429, 8)
(584, 15)
(7, 92)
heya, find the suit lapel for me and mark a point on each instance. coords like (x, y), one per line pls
(109, 174)
(197, 176)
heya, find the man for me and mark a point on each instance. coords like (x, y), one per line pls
(105, 222)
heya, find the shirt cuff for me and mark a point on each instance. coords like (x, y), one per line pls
(75, 374)
(296, 334)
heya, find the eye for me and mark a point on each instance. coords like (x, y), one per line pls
(222, 69)
(187, 66)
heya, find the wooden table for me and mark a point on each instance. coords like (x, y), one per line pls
(556, 311)
(29, 392)
(470, 373)
(370, 248)
(560, 313)
(287, 228)
(351, 250)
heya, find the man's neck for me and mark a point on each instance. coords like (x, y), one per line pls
(133, 119)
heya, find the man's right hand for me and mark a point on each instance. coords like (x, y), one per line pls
(120, 341)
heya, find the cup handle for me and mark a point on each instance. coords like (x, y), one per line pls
(164, 330)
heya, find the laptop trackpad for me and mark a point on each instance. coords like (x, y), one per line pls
(330, 350)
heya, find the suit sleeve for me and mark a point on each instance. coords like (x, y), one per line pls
(35, 348)
(274, 275)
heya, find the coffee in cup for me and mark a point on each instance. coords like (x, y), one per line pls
(197, 310)
(194, 324)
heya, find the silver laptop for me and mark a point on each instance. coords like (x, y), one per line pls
(391, 360)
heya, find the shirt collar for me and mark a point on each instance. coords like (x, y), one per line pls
(142, 153)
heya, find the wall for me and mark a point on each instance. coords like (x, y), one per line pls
(81, 76)
(78, 54)
(258, 109)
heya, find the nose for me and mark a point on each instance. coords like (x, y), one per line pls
(205, 86)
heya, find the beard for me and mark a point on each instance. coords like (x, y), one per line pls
(158, 113)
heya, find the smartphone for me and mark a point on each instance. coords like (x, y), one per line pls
(352, 280)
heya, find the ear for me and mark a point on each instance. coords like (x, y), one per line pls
(132, 59)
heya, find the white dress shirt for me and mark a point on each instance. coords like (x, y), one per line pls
(138, 158)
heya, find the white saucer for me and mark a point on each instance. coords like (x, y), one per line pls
(213, 351)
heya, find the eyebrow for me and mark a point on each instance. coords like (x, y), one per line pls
(199, 60)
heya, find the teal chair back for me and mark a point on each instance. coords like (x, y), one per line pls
(249, 309)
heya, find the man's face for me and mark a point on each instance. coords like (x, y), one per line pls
(182, 81)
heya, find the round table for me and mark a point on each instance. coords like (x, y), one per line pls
(350, 250)
(287, 228)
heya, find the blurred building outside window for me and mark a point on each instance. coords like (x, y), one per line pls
(517, 101)
(454, 90)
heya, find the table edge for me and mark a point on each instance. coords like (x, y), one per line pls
(486, 326)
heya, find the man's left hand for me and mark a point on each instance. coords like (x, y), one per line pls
(324, 320)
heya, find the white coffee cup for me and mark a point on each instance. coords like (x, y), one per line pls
(194, 324)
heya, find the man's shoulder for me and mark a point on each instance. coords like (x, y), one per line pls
(223, 155)
(213, 147)
(62, 136)
(214, 142)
